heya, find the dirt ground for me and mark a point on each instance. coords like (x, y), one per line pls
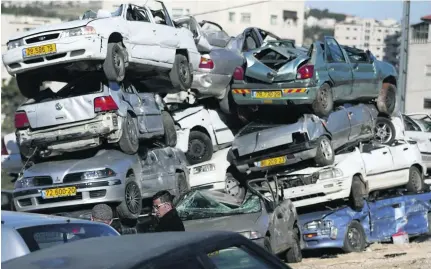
(416, 255)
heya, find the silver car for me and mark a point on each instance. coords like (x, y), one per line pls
(110, 177)
(23, 233)
(86, 113)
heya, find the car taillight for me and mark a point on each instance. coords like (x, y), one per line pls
(3, 147)
(21, 120)
(206, 62)
(305, 71)
(238, 74)
(104, 103)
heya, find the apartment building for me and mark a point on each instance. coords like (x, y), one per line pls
(283, 18)
(369, 34)
(418, 93)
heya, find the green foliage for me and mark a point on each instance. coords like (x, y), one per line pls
(320, 14)
(11, 98)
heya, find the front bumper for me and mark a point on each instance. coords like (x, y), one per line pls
(69, 49)
(297, 93)
(209, 84)
(91, 192)
(317, 239)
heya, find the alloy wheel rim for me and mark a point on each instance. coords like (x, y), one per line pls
(197, 149)
(132, 198)
(132, 131)
(184, 72)
(353, 236)
(383, 133)
(326, 149)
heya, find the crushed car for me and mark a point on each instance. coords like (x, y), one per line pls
(327, 74)
(107, 176)
(89, 112)
(137, 41)
(418, 128)
(380, 219)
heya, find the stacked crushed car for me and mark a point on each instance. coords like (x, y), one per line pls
(260, 129)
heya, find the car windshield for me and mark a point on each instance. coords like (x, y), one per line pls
(210, 204)
(44, 236)
(90, 14)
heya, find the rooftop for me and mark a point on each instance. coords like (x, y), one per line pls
(426, 18)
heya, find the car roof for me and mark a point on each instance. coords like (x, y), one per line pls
(105, 251)
(18, 220)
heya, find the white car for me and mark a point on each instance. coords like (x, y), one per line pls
(201, 132)
(142, 39)
(418, 127)
(354, 174)
(11, 161)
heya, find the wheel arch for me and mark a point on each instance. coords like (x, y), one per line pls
(390, 79)
(116, 37)
(420, 167)
(184, 52)
(204, 130)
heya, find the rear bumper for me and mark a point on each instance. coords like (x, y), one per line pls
(291, 92)
(209, 84)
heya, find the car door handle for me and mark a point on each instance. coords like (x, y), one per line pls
(385, 152)
(396, 205)
(405, 149)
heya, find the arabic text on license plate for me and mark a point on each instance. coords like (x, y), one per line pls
(273, 161)
(59, 192)
(267, 94)
(40, 50)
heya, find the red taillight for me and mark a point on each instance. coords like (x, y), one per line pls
(238, 74)
(305, 71)
(104, 103)
(21, 120)
(3, 148)
(206, 63)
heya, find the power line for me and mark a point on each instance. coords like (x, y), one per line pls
(229, 8)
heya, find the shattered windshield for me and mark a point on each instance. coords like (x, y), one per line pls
(90, 14)
(208, 204)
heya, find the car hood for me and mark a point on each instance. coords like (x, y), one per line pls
(308, 217)
(181, 114)
(234, 223)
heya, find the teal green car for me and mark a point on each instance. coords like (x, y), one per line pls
(328, 73)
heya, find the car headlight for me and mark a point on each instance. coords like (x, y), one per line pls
(330, 173)
(203, 168)
(251, 235)
(86, 30)
(25, 182)
(15, 44)
(98, 174)
(312, 225)
(319, 224)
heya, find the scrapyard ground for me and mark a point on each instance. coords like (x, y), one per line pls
(416, 255)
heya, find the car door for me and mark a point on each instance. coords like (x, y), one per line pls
(150, 174)
(282, 225)
(135, 104)
(417, 213)
(361, 123)
(378, 161)
(152, 116)
(365, 79)
(164, 165)
(339, 69)
(384, 217)
(222, 132)
(403, 155)
(338, 124)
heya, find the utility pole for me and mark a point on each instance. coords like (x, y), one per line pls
(404, 53)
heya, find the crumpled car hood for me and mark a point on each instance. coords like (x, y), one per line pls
(234, 223)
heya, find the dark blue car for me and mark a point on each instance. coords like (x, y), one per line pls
(378, 221)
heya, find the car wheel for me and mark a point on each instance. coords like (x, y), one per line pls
(354, 240)
(169, 129)
(325, 153)
(387, 99)
(416, 180)
(267, 244)
(28, 84)
(181, 74)
(114, 65)
(129, 141)
(384, 132)
(324, 102)
(233, 187)
(294, 254)
(200, 148)
(357, 194)
(131, 206)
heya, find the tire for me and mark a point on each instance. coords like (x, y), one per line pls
(267, 244)
(354, 240)
(170, 134)
(233, 187)
(200, 148)
(357, 194)
(416, 180)
(324, 102)
(28, 84)
(131, 206)
(294, 254)
(325, 152)
(129, 141)
(114, 65)
(181, 74)
(384, 131)
(386, 100)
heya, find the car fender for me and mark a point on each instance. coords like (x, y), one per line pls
(201, 118)
(352, 165)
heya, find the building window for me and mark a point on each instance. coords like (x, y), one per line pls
(367, 31)
(347, 28)
(354, 38)
(273, 19)
(367, 37)
(232, 16)
(367, 24)
(379, 31)
(378, 40)
(378, 56)
(355, 29)
(386, 31)
(378, 48)
(427, 103)
(428, 70)
(347, 37)
(366, 45)
(245, 17)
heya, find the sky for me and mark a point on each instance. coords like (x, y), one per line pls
(375, 9)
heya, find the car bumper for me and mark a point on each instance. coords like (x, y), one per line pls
(209, 84)
(321, 240)
(296, 93)
(320, 192)
(11, 164)
(92, 192)
(70, 49)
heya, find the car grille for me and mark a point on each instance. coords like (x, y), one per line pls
(42, 181)
(41, 38)
(300, 180)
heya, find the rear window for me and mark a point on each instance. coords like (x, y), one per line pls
(45, 236)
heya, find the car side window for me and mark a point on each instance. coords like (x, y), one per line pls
(410, 125)
(237, 257)
(335, 53)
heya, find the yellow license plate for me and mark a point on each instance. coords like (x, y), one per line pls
(59, 192)
(40, 50)
(267, 94)
(273, 161)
